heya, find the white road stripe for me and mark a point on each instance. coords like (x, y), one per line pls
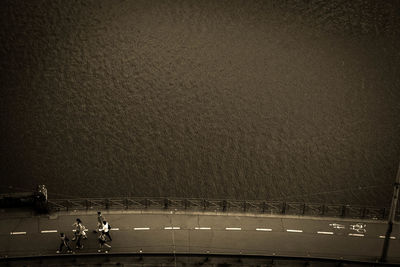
(325, 233)
(264, 229)
(233, 228)
(351, 234)
(202, 228)
(48, 231)
(294, 231)
(17, 233)
(114, 229)
(172, 228)
(83, 230)
(141, 228)
(382, 236)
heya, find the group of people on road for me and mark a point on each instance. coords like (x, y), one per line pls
(79, 233)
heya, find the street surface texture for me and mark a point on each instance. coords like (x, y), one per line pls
(169, 232)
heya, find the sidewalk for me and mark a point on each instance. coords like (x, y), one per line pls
(168, 232)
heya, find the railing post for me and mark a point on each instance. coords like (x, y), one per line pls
(186, 203)
(304, 209)
(284, 208)
(244, 206)
(323, 209)
(363, 212)
(166, 203)
(344, 211)
(263, 206)
(204, 204)
(146, 203)
(224, 204)
(67, 205)
(126, 203)
(87, 204)
(107, 203)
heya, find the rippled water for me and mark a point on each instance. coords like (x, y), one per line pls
(295, 100)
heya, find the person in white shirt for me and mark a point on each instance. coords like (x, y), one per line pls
(106, 229)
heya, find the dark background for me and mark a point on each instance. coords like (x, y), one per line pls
(295, 100)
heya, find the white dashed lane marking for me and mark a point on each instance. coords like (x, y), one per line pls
(208, 228)
(325, 233)
(294, 231)
(264, 229)
(351, 234)
(48, 231)
(172, 228)
(392, 237)
(17, 233)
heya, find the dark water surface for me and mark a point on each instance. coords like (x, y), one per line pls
(295, 100)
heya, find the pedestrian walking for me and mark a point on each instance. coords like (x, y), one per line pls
(100, 219)
(103, 242)
(106, 229)
(77, 226)
(64, 243)
(80, 229)
(79, 233)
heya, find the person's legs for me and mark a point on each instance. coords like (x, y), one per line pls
(78, 242)
(68, 247)
(108, 235)
(61, 247)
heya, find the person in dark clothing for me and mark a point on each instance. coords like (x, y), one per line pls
(64, 243)
(100, 219)
(78, 242)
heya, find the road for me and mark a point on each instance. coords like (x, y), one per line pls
(179, 232)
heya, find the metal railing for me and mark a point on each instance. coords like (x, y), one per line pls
(220, 205)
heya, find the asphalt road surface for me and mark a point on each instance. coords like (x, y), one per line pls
(163, 232)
